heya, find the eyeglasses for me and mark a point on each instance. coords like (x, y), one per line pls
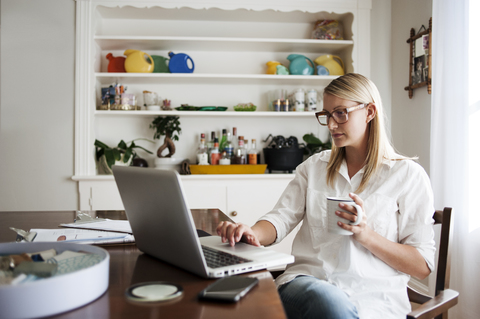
(340, 116)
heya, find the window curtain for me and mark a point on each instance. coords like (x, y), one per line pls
(455, 140)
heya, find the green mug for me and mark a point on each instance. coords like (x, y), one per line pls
(160, 64)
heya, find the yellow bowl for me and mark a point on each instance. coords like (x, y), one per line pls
(228, 169)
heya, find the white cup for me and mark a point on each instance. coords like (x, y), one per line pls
(150, 98)
(333, 219)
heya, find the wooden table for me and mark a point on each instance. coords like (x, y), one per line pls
(129, 266)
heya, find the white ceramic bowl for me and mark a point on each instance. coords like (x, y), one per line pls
(57, 294)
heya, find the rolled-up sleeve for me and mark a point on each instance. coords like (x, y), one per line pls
(290, 208)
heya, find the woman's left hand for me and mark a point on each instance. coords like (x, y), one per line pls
(359, 231)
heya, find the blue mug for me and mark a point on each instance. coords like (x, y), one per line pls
(321, 70)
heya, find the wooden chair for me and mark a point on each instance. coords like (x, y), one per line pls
(445, 298)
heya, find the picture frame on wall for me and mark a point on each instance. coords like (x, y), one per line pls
(420, 72)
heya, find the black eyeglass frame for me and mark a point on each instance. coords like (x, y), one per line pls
(347, 110)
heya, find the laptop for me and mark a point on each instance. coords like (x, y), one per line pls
(163, 227)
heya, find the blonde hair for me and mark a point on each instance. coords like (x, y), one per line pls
(356, 87)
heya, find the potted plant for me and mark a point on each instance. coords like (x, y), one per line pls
(314, 145)
(168, 126)
(122, 154)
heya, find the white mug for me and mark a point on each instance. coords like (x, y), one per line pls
(333, 219)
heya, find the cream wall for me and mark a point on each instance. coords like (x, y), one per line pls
(37, 53)
(381, 51)
(410, 117)
(37, 95)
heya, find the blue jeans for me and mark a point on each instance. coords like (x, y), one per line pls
(310, 297)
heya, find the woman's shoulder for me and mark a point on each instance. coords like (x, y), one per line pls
(408, 166)
(322, 157)
(316, 162)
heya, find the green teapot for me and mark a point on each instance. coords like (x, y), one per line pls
(299, 65)
(160, 64)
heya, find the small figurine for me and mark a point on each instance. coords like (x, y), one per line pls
(282, 70)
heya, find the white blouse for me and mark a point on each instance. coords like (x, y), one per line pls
(398, 202)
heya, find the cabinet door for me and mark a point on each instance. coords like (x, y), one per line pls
(99, 195)
(204, 194)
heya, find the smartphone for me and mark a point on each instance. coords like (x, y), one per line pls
(229, 289)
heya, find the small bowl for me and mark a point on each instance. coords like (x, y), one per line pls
(249, 107)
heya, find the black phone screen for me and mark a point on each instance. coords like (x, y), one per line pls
(229, 288)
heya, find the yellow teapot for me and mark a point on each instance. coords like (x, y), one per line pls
(329, 62)
(136, 62)
(272, 67)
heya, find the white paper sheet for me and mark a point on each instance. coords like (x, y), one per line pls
(122, 226)
(83, 236)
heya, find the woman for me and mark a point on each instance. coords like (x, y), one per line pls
(364, 275)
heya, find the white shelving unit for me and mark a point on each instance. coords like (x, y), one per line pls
(230, 43)
(221, 43)
(205, 114)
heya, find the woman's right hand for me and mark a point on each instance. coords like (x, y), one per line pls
(233, 233)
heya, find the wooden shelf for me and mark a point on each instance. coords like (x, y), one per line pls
(205, 113)
(106, 78)
(172, 43)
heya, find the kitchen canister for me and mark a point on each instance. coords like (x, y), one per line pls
(312, 100)
(299, 97)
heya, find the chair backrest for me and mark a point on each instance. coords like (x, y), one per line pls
(445, 218)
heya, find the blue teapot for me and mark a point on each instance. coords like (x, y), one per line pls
(299, 65)
(179, 63)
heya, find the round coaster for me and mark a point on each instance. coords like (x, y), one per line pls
(154, 291)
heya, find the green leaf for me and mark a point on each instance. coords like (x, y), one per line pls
(101, 145)
(311, 139)
(122, 145)
(116, 154)
(110, 157)
(127, 155)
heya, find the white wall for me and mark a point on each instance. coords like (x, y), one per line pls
(37, 95)
(381, 51)
(37, 105)
(410, 117)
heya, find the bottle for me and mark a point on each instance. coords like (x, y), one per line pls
(229, 147)
(247, 147)
(252, 154)
(234, 138)
(225, 160)
(223, 141)
(210, 144)
(202, 153)
(240, 154)
(215, 153)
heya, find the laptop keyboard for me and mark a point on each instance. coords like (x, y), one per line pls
(217, 259)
